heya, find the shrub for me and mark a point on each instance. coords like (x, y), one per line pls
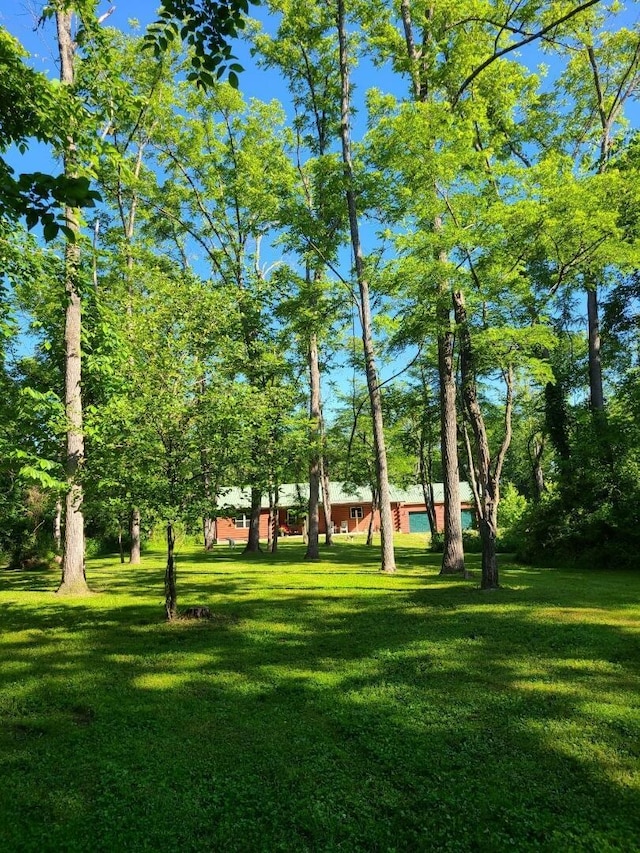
(511, 508)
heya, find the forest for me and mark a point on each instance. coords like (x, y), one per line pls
(260, 258)
(419, 266)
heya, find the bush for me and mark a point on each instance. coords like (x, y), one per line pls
(437, 543)
(511, 508)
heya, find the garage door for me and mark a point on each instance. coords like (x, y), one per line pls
(418, 522)
(468, 518)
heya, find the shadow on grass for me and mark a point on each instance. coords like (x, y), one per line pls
(313, 716)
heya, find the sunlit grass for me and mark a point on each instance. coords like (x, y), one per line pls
(325, 706)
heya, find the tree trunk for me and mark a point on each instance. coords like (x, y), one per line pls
(425, 475)
(315, 440)
(208, 532)
(453, 555)
(485, 474)
(253, 542)
(134, 556)
(488, 536)
(57, 526)
(73, 568)
(170, 595)
(326, 500)
(270, 527)
(120, 542)
(374, 507)
(276, 533)
(128, 224)
(595, 364)
(539, 487)
(388, 563)
(272, 524)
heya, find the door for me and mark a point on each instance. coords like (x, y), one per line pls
(418, 522)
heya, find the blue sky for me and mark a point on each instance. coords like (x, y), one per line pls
(19, 17)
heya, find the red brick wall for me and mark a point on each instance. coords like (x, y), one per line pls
(340, 513)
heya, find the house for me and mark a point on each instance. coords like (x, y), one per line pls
(351, 509)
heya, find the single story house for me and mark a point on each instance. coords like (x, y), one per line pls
(351, 509)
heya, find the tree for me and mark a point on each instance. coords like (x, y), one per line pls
(364, 305)
(226, 168)
(73, 569)
(304, 49)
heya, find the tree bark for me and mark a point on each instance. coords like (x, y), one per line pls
(57, 526)
(128, 224)
(453, 554)
(326, 499)
(313, 547)
(253, 542)
(536, 450)
(595, 363)
(170, 594)
(134, 555)
(484, 472)
(272, 532)
(374, 507)
(427, 490)
(73, 568)
(388, 563)
(208, 532)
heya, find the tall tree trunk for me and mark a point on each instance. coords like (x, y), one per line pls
(275, 535)
(484, 472)
(253, 542)
(272, 532)
(134, 555)
(595, 364)
(315, 420)
(388, 563)
(536, 449)
(453, 555)
(170, 594)
(120, 542)
(427, 489)
(73, 568)
(129, 227)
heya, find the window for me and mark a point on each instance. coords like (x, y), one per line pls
(292, 518)
(355, 512)
(243, 520)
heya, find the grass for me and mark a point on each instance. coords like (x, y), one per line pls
(323, 707)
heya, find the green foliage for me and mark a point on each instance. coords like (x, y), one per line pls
(207, 26)
(512, 507)
(32, 106)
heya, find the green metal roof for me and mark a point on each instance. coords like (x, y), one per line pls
(296, 494)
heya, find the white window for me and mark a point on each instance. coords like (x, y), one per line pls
(355, 511)
(243, 520)
(292, 518)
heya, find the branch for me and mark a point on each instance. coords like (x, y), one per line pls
(533, 37)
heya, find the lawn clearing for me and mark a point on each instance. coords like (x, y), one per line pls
(325, 706)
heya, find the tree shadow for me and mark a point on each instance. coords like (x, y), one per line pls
(379, 715)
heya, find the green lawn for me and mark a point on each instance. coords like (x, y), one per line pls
(324, 707)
